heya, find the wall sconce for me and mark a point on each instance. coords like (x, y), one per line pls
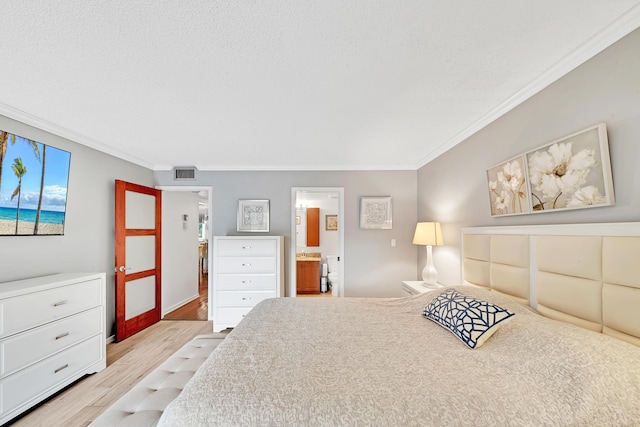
(428, 234)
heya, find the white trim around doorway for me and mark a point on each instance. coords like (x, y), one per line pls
(292, 244)
(209, 190)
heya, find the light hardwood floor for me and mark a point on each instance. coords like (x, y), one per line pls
(127, 363)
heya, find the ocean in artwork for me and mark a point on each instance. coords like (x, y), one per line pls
(29, 215)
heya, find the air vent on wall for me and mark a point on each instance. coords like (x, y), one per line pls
(184, 174)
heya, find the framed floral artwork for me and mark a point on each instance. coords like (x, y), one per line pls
(376, 213)
(571, 173)
(331, 222)
(253, 215)
(508, 193)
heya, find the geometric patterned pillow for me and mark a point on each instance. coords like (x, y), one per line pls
(470, 319)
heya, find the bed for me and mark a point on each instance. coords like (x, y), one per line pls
(359, 361)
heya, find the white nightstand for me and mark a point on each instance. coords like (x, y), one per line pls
(415, 287)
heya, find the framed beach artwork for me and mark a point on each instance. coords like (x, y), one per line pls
(508, 191)
(33, 187)
(571, 173)
(253, 216)
(376, 213)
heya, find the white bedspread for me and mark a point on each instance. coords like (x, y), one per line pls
(348, 361)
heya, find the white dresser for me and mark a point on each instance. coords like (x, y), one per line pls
(52, 332)
(246, 271)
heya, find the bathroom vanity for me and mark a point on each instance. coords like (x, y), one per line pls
(308, 271)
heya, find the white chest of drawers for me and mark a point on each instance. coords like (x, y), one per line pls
(52, 332)
(246, 271)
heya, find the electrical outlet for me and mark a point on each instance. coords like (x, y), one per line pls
(393, 243)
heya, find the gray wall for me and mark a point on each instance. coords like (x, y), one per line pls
(452, 189)
(372, 267)
(88, 241)
(180, 274)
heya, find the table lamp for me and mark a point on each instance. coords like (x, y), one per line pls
(428, 234)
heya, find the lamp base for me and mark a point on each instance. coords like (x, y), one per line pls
(430, 285)
(429, 274)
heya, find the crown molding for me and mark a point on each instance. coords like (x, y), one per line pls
(301, 168)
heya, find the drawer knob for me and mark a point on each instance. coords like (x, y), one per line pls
(246, 247)
(65, 334)
(246, 265)
(246, 298)
(246, 281)
(59, 303)
(65, 366)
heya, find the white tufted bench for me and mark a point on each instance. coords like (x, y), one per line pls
(143, 404)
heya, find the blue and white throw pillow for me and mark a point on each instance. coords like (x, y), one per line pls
(470, 319)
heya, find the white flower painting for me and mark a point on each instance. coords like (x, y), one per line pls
(507, 188)
(571, 173)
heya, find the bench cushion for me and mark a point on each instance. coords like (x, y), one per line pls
(143, 404)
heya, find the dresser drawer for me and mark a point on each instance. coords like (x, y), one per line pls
(231, 282)
(29, 383)
(23, 349)
(30, 310)
(246, 247)
(231, 315)
(243, 298)
(246, 265)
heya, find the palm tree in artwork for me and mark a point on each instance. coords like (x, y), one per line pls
(44, 161)
(7, 138)
(20, 170)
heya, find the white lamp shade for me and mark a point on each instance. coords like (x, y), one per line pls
(428, 233)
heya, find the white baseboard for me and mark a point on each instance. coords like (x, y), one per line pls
(180, 304)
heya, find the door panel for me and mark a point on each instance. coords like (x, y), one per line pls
(140, 295)
(140, 254)
(137, 258)
(143, 214)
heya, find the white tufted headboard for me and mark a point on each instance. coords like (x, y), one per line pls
(585, 274)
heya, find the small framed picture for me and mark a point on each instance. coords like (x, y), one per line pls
(331, 222)
(253, 216)
(376, 213)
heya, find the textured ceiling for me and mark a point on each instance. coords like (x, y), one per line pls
(288, 84)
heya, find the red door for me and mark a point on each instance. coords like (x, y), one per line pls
(137, 257)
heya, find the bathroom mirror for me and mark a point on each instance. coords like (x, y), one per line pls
(313, 227)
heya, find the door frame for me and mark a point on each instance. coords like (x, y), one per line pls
(209, 190)
(126, 328)
(292, 242)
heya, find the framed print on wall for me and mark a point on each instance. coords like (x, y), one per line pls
(331, 222)
(571, 173)
(508, 193)
(376, 213)
(253, 216)
(33, 187)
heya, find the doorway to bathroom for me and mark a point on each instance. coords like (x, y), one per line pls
(316, 251)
